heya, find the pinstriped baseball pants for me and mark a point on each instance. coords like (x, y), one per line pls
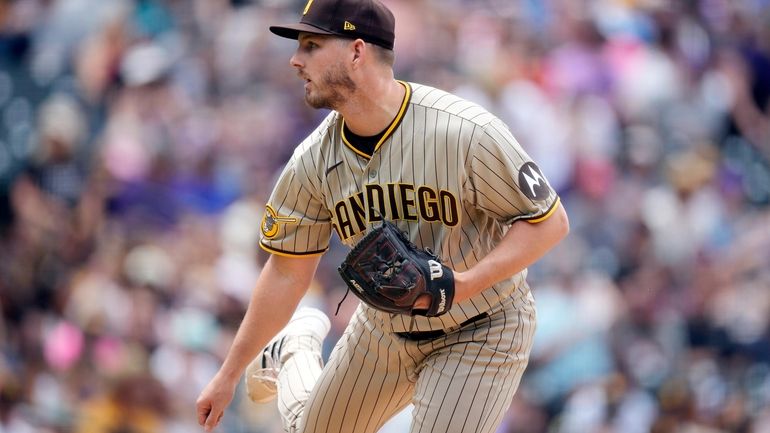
(461, 382)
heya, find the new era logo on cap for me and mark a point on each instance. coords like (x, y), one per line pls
(369, 20)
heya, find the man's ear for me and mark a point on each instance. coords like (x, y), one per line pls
(359, 51)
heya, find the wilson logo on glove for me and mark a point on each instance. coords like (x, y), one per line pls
(435, 269)
(389, 273)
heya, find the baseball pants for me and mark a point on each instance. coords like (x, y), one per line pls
(463, 381)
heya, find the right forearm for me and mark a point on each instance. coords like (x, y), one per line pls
(279, 289)
(261, 321)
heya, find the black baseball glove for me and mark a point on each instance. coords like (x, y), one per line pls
(389, 273)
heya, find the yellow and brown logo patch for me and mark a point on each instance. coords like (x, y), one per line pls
(271, 222)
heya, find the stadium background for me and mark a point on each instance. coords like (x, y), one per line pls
(139, 140)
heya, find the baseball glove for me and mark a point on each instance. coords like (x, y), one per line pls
(389, 273)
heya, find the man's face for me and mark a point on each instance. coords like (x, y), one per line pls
(320, 61)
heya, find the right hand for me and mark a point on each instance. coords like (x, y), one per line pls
(213, 400)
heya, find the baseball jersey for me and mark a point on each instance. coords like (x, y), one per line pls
(446, 171)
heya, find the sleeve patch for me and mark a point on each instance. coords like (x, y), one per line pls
(271, 222)
(532, 183)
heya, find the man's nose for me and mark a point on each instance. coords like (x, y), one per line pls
(294, 61)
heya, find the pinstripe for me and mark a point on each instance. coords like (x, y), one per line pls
(313, 163)
(350, 374)
(324, 388)
(489, 210)
(446, 170)
(448, 385)
(434, 103)
(294, 397)
(428, 93)
(476, 354)
(483, 375)
(366, 391)
(504, 136)
(432, 385)
(327, 390)
(282, 200)
(413, 360)
(486, 375)
(390, 400)
(442, 104)
(516, 370)
(466, 354)
(494, 184)
(497, 396)
(497, 179)
(297, 379)
(296, 247)
(475, 258)
(519, 369)
(499, 193)
(467, 107)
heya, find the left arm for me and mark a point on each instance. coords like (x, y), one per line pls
(505, 183)
(522, 245)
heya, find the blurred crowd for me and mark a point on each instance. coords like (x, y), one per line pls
(139, 140)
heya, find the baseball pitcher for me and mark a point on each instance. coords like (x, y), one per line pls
(443, 211)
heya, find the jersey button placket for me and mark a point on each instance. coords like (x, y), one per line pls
(372, 173)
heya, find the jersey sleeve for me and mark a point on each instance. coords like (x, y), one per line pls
(505, 182)
(296, 221)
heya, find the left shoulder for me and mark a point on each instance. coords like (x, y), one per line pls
(449, 103)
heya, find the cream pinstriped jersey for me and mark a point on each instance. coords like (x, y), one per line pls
(448, 172)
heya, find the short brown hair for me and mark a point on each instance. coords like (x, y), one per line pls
(384, 55)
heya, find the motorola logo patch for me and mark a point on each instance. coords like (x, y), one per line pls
(532, 183)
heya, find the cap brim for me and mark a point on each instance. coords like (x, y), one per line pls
(292, 31)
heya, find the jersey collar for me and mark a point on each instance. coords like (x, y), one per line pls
(389, 131)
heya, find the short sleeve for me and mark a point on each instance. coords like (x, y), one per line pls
(504, 181)
(296, 221)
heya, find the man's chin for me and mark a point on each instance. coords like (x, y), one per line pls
(316, 103)
(312, 103)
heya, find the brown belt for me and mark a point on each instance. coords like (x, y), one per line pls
(431, 335)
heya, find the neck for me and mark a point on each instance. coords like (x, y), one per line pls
(373, 107)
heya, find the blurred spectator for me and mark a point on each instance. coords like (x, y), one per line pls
(131, 405)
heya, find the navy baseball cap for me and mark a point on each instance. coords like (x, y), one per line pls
(368, 20)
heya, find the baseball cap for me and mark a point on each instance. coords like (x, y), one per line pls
(368, 20)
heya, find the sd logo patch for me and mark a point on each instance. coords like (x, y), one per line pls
(271, 222)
